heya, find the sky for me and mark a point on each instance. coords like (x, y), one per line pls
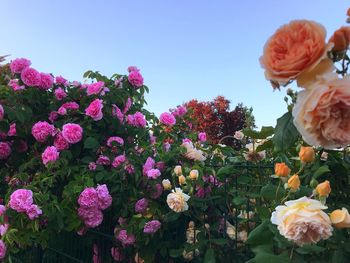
(186, 49)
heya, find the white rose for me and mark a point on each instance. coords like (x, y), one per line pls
(177, 200)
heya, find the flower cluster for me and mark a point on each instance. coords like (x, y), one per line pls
(21, 201)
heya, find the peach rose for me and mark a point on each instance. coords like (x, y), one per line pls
(341, 39)
(340, 218)
(295, 51)
(307, 154)
(302, 221)
(323, 189)
(282, 170)
(177, 200)
(294, 182)
(321, 113)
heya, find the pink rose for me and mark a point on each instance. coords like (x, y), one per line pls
(92, 166)
(72, 132)
(135, 78)
(46, 81)
(103, 160)
(321, 113)
(53, 116)
(60, 94)
(127, 105)
(118, 160)
(2, 249)
(116, 139)
(125, 238)
(92, 217)
(149, 164)
(180, 111)
(21, 200)
(12, 131)
(2, 210)
(3, 229)
(202, 136)
(60, 142)
(19, 64)
(50, 155)
(117, 254)
(34, 212)
(42, 130)
(116, 112)
(61, 81)
(14, 85)
(167, 119)
(95, 88)
(153, 173)
(5, 150)
(137, 120)
(94, 110)
(88, 198)
(31, 77)
(104, 198)
(132, 68)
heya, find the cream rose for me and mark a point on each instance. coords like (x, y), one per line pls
(302, 221)
(193, 153)
(340, 218)
(296, 51)
(322, 113)
(177, 200)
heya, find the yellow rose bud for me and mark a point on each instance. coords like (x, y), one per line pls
(194, 174)
(178, 170)
(182, 179)
(340, 218)
(323, 189)
(294, 182)
(166, 184)
(282, 170)
(306, 154)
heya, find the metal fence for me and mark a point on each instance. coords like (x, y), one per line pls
(95, 246)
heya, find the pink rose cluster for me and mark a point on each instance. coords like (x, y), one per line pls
(125, 238)
(67, 106)
(137, 120)
(92, 201)
(95, 88)
(21, 201)
(167, 119)
(116, 139)
(180, 111)
(135, 78)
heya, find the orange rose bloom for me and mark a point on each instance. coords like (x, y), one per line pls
(340, 218)
(323, 189)
(341, 39)
(294, 51)
(306, 154)
(282, 170)
(322, 113)
(294, 182)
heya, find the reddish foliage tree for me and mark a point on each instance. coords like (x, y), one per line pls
(216, 119)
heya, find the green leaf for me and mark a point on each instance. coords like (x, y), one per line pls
(285, 133)
(239, 200)
(4, 126)
(308, 249)
(271, 258)
(175, 253)
(219, 241)
(322, 170)
(225, 171)
(261, 235)
(269, 192)
(209, 256)
(91, 143)
(265, 132)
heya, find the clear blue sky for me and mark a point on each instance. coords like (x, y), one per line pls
(185, 48)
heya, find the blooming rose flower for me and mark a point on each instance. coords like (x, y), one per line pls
(202, 136)
(302, 221)
(340, 218)
(31, 77)
(12, 131)
(60, 94)
(5, 150)
(2, 112)
(21, 200)
(94, 110)
(33, 212)
(42, 130)
(137, 120)
(156, 191)
(2, 249)
(92, 217)
(60, 142)
(252, 154)
(61, 80)
(167, 119)
(103, 160)
(193, 153)
(340, 39)
(282, 170)
(180, 111)
(46, 81)
(104, 198)
(88, 198)
(238, 135)
(95, 88)
(13, 83)
(19, 64)
(50, 155)
(72, 132)
(117, 254)
(177, 200)
(151, 227)
(321, 113)
(53, 116)
(294, 51)
(141, 205)
(153, 173)
(118, 160)
(125, 238)
(135, 78)
(117, 139)
(149, 164)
